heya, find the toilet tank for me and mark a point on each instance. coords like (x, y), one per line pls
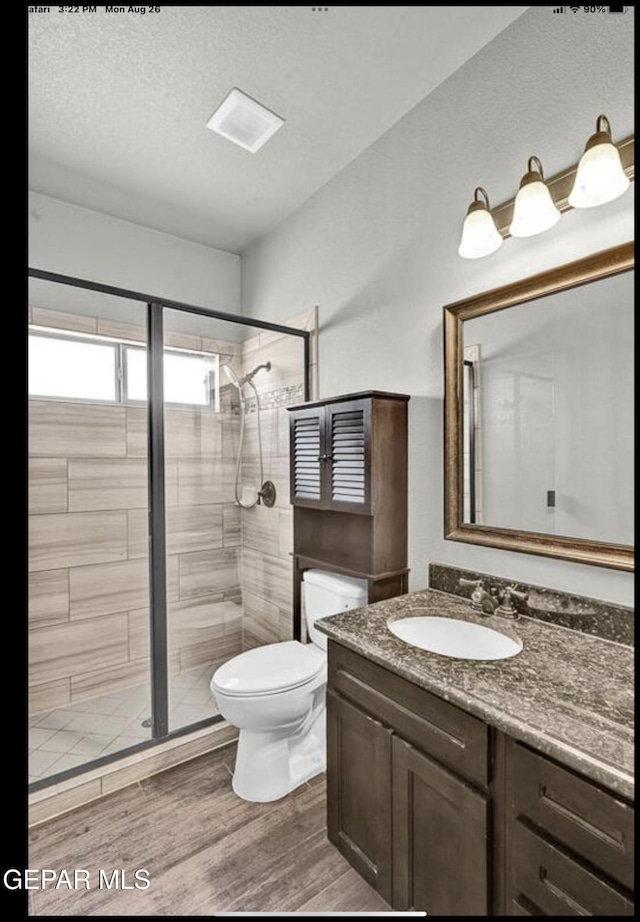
(325, 593)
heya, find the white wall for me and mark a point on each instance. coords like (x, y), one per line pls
(376, 247)
(70, 240)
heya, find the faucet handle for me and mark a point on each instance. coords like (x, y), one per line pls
(479, 592)
(506, 607)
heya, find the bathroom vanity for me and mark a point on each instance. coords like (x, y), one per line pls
(481, 787)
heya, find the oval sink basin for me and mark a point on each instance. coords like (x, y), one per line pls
(450, 637)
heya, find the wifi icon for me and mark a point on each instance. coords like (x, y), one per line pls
(574, 9)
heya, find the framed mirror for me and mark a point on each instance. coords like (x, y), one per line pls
(539, 440)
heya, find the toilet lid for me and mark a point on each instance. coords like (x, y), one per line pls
(268, 669)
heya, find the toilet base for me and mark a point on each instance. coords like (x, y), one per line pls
(272, 763)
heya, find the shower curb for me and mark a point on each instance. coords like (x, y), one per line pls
(91, 785)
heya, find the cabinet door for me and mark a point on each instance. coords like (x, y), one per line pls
(348, 468)
(359, 790)
(307, 449)
(440, 844)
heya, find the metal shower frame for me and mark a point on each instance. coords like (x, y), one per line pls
(156, 482)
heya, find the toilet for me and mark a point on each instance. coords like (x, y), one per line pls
(275, 695)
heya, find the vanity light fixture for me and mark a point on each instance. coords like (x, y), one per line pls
(600, 177)
(480, 236)
(604, 173)
(534, 210)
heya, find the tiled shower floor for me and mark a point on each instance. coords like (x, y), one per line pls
(69, 736)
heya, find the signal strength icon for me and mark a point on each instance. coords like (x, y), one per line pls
(559, 9)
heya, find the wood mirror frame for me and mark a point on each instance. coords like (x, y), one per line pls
(603, 554)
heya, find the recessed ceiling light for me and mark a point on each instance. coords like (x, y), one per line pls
(244, 121)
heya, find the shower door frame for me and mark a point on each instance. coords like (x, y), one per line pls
(159, 690)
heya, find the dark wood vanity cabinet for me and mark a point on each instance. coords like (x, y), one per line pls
(569, 843)
(349, 473)
(406, 789)
(442, 814)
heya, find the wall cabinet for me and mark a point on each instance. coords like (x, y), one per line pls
(442, 814)
(349, 472)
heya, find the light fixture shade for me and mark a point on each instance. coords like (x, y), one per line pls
(600, 177)
(534, 210)
(480, 236)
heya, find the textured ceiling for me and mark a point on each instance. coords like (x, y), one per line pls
(118, 104)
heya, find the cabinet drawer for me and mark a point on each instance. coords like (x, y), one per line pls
(544, 880)
(592, 823)
(449, 735)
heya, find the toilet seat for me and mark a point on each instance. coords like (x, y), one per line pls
(266, 670)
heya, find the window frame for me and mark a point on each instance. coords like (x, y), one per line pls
(119, 347)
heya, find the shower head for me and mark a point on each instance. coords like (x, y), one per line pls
(232, 376)
(238, 382)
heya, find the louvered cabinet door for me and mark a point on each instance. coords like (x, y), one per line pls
(348, 441)
(307, 449)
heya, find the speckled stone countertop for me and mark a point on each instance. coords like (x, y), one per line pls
(567, 694)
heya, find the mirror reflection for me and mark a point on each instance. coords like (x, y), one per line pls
(547, 416)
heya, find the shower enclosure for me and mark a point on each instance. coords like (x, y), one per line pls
(160, 528)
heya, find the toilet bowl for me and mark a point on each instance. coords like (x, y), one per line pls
(275, 695)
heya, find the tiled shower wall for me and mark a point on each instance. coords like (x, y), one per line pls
(88, 555)
(267, 534)
(229, 571)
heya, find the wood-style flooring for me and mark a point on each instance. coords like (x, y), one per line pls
(206, 850)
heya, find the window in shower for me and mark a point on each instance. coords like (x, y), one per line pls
(62, 366)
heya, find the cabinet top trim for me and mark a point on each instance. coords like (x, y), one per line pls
(343, 398)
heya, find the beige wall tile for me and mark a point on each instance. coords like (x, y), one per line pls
(208, 572)
(285, 535)
(76, 539)
(63, 321)
(173, 584)
(194, 528)
(230, 434)
(268, 577)
(77, 647)
(139, 634)
(108, 588)
(111, 679)
(47, 485)
(183, 341)
(192, 433)
(116, 329)
(45, 696)
(137, 533)
(76, 430)
(197, 620)
(136, 421)
(119, 483)
(232, 534)
(213, 652)
(261, 620)
(261, 529)
(203, 482)
(220, 346)
(48, 597)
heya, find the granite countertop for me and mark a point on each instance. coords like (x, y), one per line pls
(567, 694)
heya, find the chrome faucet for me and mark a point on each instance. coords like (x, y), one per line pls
(494, 601)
